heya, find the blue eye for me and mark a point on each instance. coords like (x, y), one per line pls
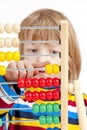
(54, 52)
(33, 50)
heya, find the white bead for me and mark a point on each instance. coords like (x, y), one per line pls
(16, 28)
(1, 28)
(71, 88)
(1, 42)
(8, 28)
(8, 42)
(15, 42)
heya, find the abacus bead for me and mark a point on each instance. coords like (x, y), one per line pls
(8, 42)
(15, 42)
(0, 122)
(16, 28)
(28, 96)
(49, 120)
(16, 56)
(55, 69)
(2, 70)
(1, 42)
(21, 82)
(35, 108)
(49, 95)
(42, 82)
(56, 95)
(1, 28)
(2, 56)
(49, 107)
(35, 82)
(8, 28)
(42, 95)
(8, 56)
(56, 107)
(55, 128)
(27, 83)
(42, 108)
(48, 82)
(48, 69)
(56, 82)
(55, 119)
(35, 96)
(42, 120)
(49, 129)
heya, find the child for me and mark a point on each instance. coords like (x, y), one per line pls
(43, 17)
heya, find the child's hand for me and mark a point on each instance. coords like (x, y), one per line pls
(15, 74)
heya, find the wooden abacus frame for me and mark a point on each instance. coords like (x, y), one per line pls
(64, 81)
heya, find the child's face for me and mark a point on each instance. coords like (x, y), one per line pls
(42, 49)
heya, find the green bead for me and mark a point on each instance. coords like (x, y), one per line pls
(35, 108)
(56, 107)
(49, 107)
(42, 120)
(49, 120)
(0, 122)
(55, 119)
(42, 108)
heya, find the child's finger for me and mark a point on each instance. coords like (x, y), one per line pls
(22, 73)
(30, 73)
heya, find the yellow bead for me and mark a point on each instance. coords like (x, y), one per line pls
(2, 56)
(55, 69)
(16, 56)
(48, 69)
(2, 70)
(8, 56)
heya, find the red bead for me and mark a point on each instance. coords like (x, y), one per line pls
(42, 95)
(42, 82)
(49, 95)
(56, 82)
(56, 95)
(28, 96)
(35, 96)
(35, 82)
(49, 82)
(21, 83)
(27, 83)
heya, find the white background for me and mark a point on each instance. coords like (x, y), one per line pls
(14, 11)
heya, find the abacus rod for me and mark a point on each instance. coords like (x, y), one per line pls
(15, 108)
(11, 69)
(40, 27)
(19, 121)
(8, 83)
(37, 55)
(39, 41)
(13, 96)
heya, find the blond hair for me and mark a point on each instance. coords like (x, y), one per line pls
(49, 17)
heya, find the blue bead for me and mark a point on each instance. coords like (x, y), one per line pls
(55, 128)
(49, 128)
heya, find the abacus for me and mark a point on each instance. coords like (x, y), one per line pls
(52, 117)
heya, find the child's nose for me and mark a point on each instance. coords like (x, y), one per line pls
(43, 59)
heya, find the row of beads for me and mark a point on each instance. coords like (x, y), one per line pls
(42, 82)
(42, 95)
(45, 108)
(9, 56)
(49, 69)
(8, 42)
(49, 120)
(9, 28)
